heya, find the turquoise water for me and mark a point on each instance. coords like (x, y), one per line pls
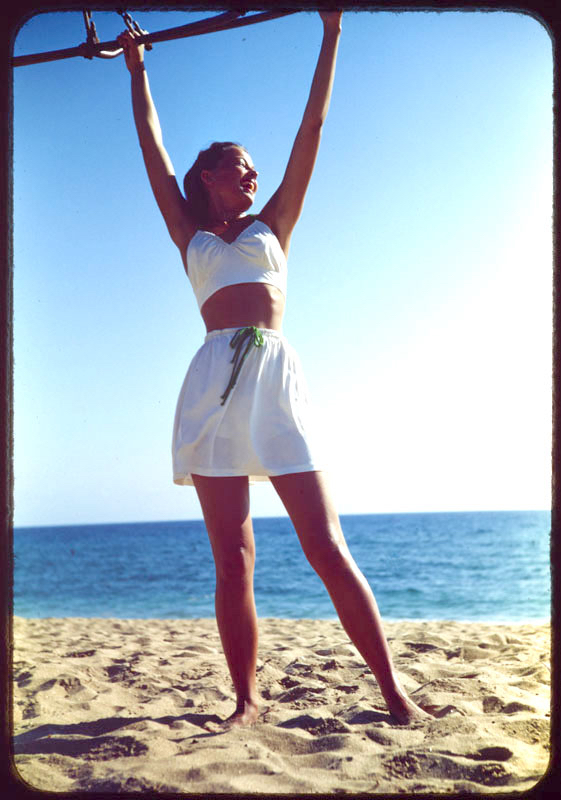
(465, 566)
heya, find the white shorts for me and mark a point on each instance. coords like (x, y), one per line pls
(264, 426)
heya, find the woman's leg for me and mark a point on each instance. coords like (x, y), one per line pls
(225, 504)
(306, 497)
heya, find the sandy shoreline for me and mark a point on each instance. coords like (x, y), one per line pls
(133, 705)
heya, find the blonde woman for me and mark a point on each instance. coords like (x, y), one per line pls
(242, 412)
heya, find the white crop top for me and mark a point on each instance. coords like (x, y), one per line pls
(255, 256)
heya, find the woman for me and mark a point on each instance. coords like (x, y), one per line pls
(250, 420)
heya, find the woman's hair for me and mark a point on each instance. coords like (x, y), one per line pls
(195, 192)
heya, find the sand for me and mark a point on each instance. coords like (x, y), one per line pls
(134, 705)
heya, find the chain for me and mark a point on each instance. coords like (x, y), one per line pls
(133, 25)
(89, 50)
(91, 35)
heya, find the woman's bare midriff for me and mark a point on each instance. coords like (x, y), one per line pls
(244, 304)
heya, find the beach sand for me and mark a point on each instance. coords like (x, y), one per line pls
(133, 705)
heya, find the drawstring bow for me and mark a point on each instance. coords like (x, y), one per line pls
(244, 336)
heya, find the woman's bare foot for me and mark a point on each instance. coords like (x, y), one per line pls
(404, 710)
(245, 714)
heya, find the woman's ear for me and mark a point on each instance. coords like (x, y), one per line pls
(206, 177)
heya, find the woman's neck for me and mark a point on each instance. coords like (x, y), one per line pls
(224, 216)
(226, 220)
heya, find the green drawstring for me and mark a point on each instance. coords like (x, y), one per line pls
(248, 336)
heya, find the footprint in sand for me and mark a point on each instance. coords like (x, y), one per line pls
(23, 679)
(31, 710)
(442, 711)
(317, 726)
(492, 704)
(288, 683)
(99, 748)
(120, 672)
(491, 754)
(299, 693)
(515, 707)
(418, 764)
(70, 683)
(81, 654)
(346, 688)
(530, 731)
(421, 647)
(359, 715)
(332, 664)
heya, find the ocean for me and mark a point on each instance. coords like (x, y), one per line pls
(470, 566)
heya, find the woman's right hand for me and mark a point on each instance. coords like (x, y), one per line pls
(133, 52)
(331, 19)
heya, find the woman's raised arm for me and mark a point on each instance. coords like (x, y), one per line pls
(285, 206)
(160, 170)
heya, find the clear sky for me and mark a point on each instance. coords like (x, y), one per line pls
(420, 271)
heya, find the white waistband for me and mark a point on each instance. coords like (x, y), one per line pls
(232, 331)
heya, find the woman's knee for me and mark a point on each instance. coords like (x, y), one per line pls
(234, 566)
(225, 504)
(330, 557)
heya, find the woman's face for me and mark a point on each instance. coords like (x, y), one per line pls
(233, 177)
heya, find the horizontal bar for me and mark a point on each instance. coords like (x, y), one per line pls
(231, 19)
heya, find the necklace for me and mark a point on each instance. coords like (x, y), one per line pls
(227, 223)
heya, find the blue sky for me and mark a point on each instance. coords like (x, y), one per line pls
(419, 275)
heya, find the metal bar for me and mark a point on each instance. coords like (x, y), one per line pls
(52, 55)
(184, 30)
(202, 26)
(231, 19)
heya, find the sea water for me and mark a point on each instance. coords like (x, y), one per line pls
(461, 566)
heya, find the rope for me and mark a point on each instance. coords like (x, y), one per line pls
(248, 336)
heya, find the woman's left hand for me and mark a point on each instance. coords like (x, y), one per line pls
(133, 52)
